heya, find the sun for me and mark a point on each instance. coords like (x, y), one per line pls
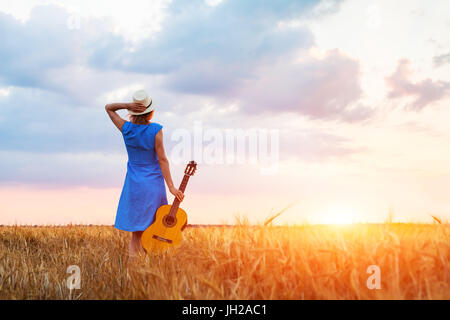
(338, 215)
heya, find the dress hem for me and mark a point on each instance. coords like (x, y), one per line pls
(130, 229)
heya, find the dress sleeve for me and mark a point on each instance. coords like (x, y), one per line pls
(125, 127)
(157, 128)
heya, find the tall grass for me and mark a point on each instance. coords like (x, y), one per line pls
(241, 262)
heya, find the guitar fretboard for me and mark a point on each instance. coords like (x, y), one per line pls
(176, 202)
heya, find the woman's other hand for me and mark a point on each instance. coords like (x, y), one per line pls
(177, 193)
(136, 107)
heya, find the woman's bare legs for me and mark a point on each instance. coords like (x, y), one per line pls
(135, 246)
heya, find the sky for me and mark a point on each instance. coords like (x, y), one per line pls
(358, 92)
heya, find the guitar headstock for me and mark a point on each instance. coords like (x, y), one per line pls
(190, 168)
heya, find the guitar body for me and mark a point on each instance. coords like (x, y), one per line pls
(170, 220)
(165, 231)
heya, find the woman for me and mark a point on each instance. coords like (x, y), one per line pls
(147, 168)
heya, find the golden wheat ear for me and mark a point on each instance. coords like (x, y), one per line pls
(269, 220)
(436, 219)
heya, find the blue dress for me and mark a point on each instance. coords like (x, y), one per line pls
(144, 190)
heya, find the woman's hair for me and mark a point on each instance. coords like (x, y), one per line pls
(142, 118)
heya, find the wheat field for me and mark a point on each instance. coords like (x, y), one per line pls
(240, 262)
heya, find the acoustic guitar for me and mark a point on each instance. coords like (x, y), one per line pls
(169, 222)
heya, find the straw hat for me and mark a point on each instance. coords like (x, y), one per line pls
(142, 96)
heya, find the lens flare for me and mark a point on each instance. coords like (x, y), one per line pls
(339, 215)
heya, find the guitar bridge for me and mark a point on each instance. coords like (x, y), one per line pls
(161, 239)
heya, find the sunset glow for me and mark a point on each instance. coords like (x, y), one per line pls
(355, 95)
(339, 215)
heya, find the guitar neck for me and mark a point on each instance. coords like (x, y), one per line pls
(184, 183)
(182, 188)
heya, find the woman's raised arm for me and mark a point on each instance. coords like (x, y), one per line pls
(111, 109)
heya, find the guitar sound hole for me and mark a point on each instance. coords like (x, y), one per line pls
(169, 221)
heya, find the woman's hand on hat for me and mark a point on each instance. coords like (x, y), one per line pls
(136, 107)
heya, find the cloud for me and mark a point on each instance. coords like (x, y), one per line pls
(191, 52)
(29, 50)
(45, 53)
(441, 59)
(37, 120)
(316, 146)
(424, 92)
(325, 88)
(107, 169)
(55, 80)
(230, 51)
(207, 49)
(236, 52)
(62, 169)
(72, 145)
